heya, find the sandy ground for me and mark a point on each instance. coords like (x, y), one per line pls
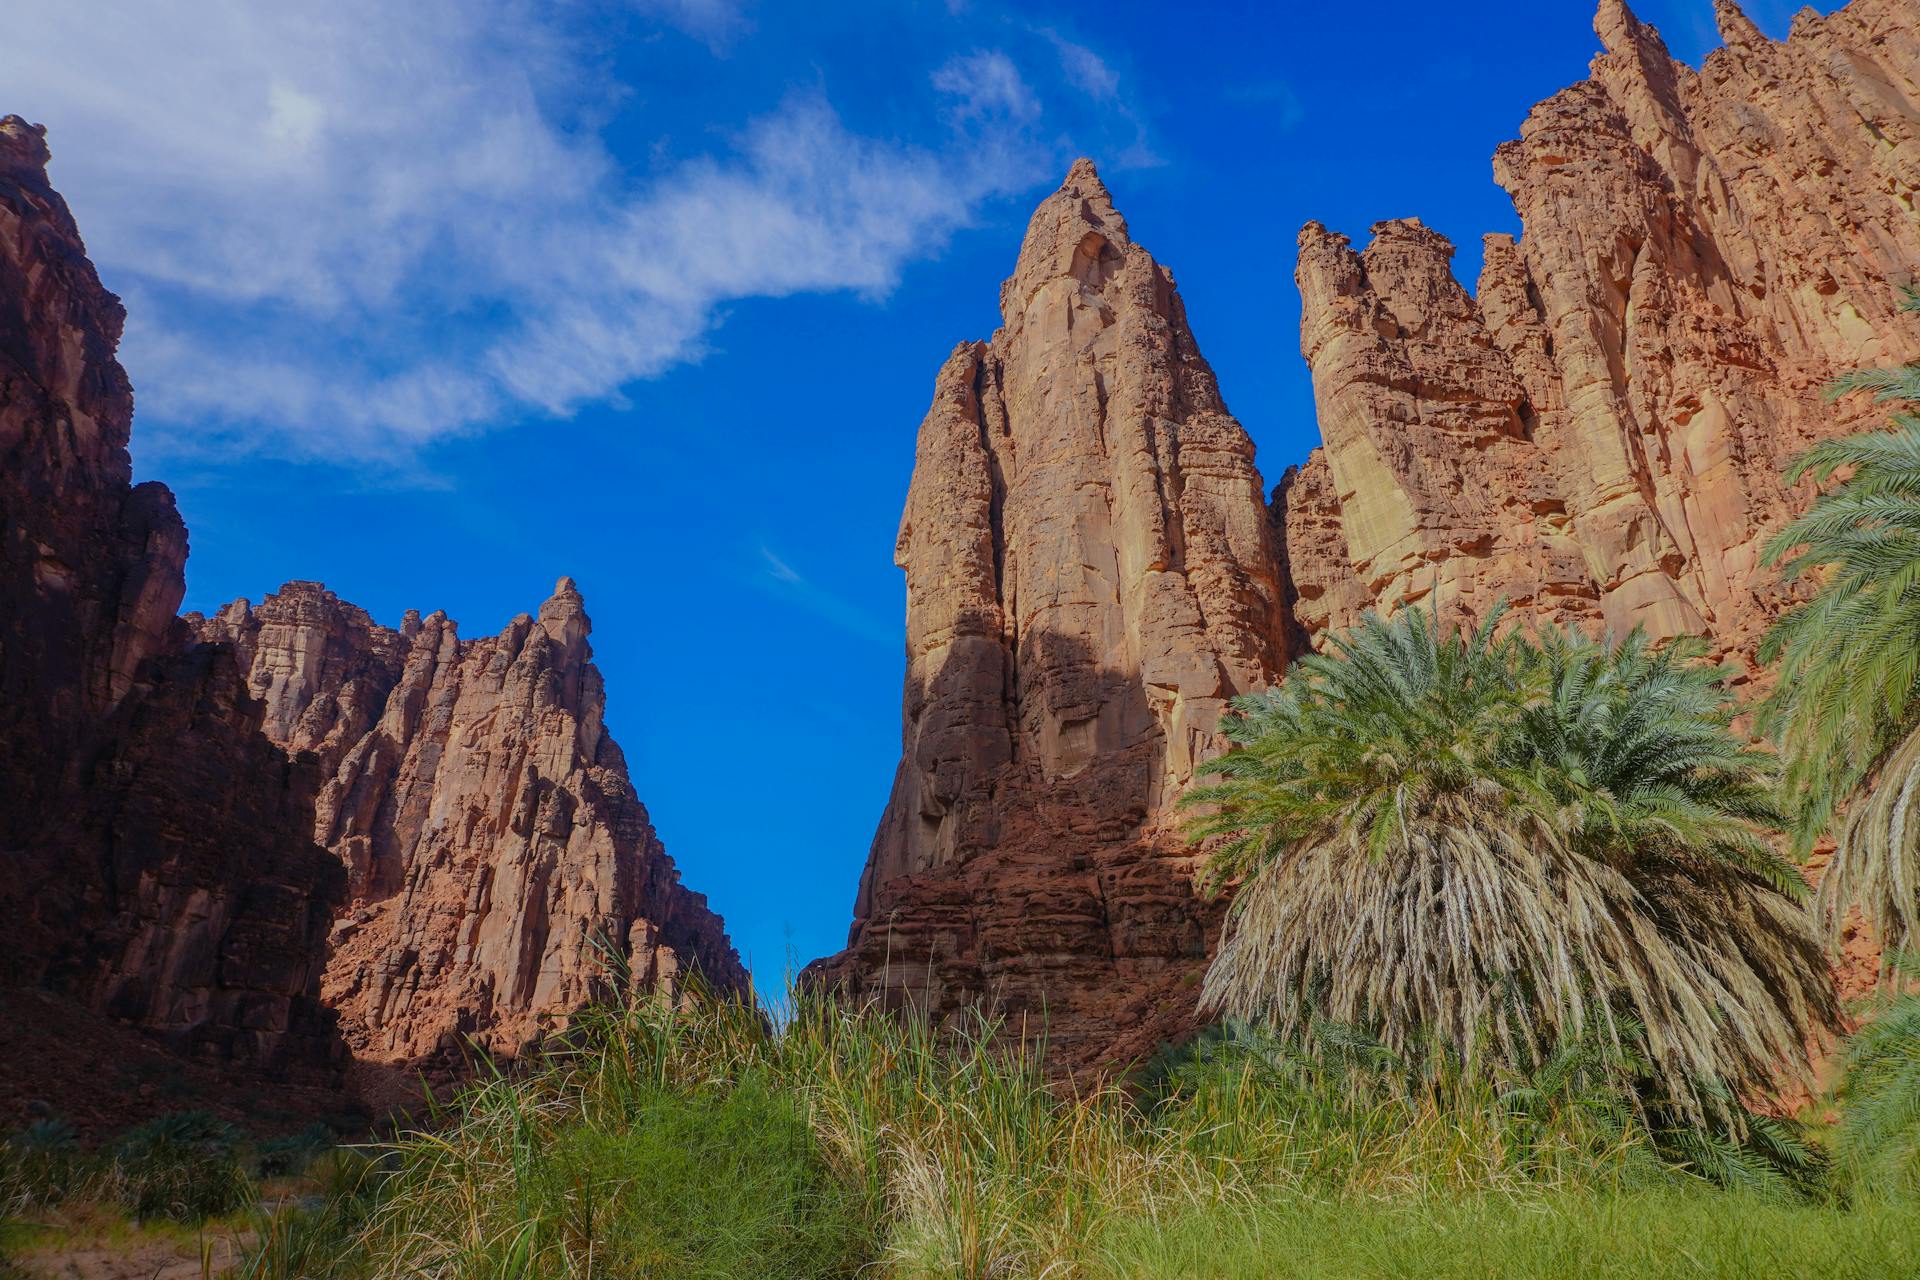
(146, 1260)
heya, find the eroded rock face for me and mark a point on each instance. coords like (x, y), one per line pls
(1090, 575)
(497, 856)
(288, 839)
(160, 864)
(1596, 435)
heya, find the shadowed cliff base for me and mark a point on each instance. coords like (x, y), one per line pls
(1031, 881)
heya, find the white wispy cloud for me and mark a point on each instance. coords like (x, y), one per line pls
(1085, 69)
(780, 579)
(1096, 77)
(350, 230)
(780, 570)
(987, 82)
(716, 22)
(347, 230)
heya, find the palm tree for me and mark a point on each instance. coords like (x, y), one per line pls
(1492, 847)
(1880, 1125)
(1845, 708)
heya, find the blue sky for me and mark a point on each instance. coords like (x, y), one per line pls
(436, 302)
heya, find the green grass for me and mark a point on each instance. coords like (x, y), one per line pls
(701, 1186)
(1631, 1236)
(184, 1186)
(702, 1143)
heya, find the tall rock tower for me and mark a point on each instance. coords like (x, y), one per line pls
(1090, 575)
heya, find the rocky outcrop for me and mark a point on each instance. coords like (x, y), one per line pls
(288, 841)
(159, 858)
(1596, 436)
(498, 858)
(1090, 575)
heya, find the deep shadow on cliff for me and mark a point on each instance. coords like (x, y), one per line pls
(250, 863)
(1058, 902)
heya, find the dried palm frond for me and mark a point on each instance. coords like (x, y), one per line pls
(1480, 841)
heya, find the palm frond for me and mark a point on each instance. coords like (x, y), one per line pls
(1846, 705)
(1879, 1139)
(1500, 845)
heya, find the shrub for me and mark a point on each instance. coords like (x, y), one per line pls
(292, 1153)
(39, 1165)
(184, 1165)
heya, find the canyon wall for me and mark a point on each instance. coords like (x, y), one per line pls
(1598, 433)
(496, 854)
(286, 839)
(1595, 435)
(159, 856)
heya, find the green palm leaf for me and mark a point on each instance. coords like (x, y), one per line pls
(1844, 709)
(1880, 1130)
(1495, 846)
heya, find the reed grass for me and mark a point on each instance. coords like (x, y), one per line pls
(706, 1141)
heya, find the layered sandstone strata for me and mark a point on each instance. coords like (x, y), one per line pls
(498, 859)
(1090, 575)
(1596, 436)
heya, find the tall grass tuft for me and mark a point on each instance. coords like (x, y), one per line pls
(704, 1141)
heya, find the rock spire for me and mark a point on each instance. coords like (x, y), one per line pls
(1090, 575)
(1595, 434)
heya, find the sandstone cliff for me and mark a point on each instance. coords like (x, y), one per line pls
(497, 855)
(1090, 575)
(160, 861)
(287, 840)
(1596, 435)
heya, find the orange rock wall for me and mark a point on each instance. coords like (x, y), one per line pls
(1598, 433)
(1595, 434)
(497, 856)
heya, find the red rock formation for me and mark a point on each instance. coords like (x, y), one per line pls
(1596, 436)
(1599, 434)
(496, 851)
(352, 842)
(1090, 574)
(160, 863)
